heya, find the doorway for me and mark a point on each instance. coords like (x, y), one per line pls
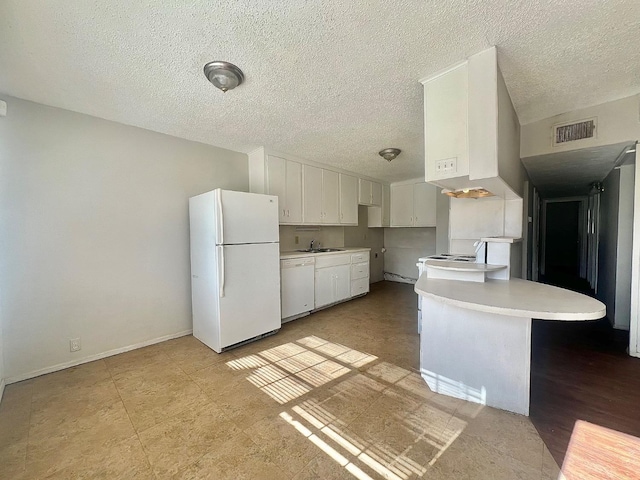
(564, 243)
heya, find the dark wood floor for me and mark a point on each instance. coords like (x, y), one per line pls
(581, 371)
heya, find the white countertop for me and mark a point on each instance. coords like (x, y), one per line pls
(463, 266)
(515, 297)
(343, 250)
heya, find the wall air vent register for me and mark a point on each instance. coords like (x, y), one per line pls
(571, 132)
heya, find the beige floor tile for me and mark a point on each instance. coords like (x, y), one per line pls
(125, 460)
(76, 381)
(471, 458)
(217, 379)
(192, 355)
(57, 444)
(137, 360)
(12, 458)
(245, 404)
(284, 440)
(235, 458)
(151, 400)
(325, 467)
(508, 432)
(184, 438)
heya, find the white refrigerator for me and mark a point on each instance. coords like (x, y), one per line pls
(235, 267)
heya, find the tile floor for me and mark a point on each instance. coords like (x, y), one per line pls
(333, 395)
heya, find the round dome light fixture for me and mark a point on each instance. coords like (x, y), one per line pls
(389, 153)
(223, 75)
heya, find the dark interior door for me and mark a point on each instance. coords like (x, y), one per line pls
(562, 239)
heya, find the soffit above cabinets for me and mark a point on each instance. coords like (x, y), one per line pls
(332, 81)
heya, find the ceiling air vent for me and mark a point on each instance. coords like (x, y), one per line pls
(574, 131)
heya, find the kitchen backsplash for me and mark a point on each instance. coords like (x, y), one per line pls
(327, 236)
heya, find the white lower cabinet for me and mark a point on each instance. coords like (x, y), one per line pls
(332, 285)
(359, 273)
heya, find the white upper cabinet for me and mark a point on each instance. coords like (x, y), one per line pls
(369, 193)
(413, 205)
(330, 197)
(376, 193)
(424, 205)
(321, 196)
(284, 179)
(402, 205)
(274, 175)
(312, 195)
(348, 199)
(380, 216)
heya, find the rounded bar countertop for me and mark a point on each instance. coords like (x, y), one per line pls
(515, 297)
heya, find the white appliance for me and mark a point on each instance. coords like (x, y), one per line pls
(298, 279)
(235, 274)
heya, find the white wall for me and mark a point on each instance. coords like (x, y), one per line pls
(510, 167)
(2, 377)
(94, 228)
(608, 243)
(404, 247)
(625, 243)
(618, 121)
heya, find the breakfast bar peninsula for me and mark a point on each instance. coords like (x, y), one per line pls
(475, 340)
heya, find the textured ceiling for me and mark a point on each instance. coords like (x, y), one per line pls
(569, 174)
(326, 80)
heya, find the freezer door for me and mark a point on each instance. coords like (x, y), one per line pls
(248, 290)
(246, 218)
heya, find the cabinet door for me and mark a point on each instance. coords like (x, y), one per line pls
(364, 192)
(342, 282)
(330, 197)
(374, 217)
(294, 192)
(312, 195)
(424, 205)
(324, 286)
(402, 205)
(386, 206)
(276, 184)
(348, 199)
(376, 194)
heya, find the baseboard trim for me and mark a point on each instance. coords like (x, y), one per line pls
(1, 388)
(93, 358)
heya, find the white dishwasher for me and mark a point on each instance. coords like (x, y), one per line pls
(297, 276)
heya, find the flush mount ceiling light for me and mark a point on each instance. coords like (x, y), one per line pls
(389, 153)
(223, 75)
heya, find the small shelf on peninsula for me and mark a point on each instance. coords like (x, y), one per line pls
(464, 271)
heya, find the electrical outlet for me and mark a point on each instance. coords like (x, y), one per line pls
(448, 165)
(297, 239)
(74, 345)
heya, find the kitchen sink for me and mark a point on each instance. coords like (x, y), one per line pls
(320, 250)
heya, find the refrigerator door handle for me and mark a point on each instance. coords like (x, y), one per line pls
(220, 220)
(221, 271)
